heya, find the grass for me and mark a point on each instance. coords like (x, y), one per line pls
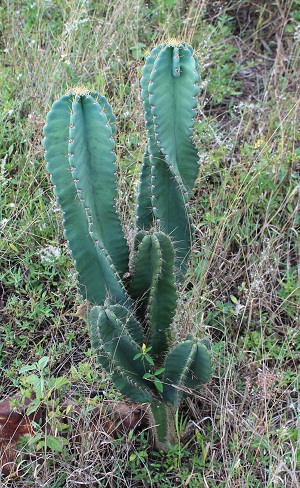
(244, 282)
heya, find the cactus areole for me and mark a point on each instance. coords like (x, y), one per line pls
(131, 322)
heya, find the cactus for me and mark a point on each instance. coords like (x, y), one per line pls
(131, 320)
(83, 173)
(170, 87)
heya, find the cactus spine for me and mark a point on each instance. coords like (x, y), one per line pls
(131, 322)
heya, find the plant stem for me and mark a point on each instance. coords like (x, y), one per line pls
(162, 421)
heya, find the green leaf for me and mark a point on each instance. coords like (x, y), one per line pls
(33, 406)
(57, 383)
(159, 385)
(159, 371)
(54, 443)
(37, 384)
(28, 367)
(42, 363)
(149, 359)
(33, 440)
(137, 50)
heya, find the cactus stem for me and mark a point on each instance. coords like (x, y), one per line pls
(162, 419)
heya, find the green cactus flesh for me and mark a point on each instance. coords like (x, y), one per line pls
(163, 197)
(170, 85)
(162, 424)
(93, 166)
(162, 300)
(147, 267)
(145, 80)
(144, 212)
(172, 213)
(116, 349)
(128, 320)
(98, 276)
(170, 94)
(187, 366)
(139, 236)
(153, 288)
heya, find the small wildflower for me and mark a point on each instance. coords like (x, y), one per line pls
(3, 222)
(239, 308)
(260, 141)
(64, 58)
(49, 254)
(3, 178)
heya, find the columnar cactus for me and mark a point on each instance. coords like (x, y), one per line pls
(131, 319)
(170, 88)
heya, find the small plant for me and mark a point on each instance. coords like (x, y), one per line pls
(133, 295)
(40, 387)
(40, 384)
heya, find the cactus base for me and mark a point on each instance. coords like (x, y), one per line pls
(162, 421)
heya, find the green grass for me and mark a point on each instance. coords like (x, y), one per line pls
(244, 283)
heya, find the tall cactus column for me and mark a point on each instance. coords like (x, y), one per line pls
(79, 144)
(170, 87)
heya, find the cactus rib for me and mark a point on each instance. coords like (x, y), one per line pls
(96, 179)
(172, 212)
(144, 212)
(153, 288)
(162, 300)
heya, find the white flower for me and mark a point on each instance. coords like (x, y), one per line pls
(49, 254)
(3, 222)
